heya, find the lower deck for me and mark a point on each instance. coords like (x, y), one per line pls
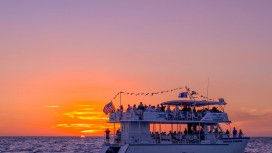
(225, 145)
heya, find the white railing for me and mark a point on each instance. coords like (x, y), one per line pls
(163, 116)
(172, 116)
(142, 138)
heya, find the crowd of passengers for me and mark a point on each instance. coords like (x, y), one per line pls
(175, 137)
(192, 135)
(162, 108)
(138, 110)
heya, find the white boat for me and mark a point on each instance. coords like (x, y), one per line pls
(142, 132)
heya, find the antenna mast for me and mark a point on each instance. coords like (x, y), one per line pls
(208, 88)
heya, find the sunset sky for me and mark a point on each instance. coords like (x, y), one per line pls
(62, 61)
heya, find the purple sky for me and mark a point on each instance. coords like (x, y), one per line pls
(144, 46)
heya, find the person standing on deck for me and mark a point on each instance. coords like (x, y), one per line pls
(107, 135)
(129, 109)
(176, 111)
(162, 108)
(140, 110)
(227, 132)
(240, 134)
(234, 132)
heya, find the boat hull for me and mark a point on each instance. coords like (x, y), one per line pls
(225, 146)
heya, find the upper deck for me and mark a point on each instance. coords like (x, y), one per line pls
(184, 112)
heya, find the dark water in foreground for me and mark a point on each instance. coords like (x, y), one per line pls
(92, 144)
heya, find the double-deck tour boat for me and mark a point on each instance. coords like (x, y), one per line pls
(177, 126)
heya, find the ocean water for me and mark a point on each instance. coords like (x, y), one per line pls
(92, 144)
(50, 144)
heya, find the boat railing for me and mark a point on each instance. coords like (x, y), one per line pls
(156, 138)
(176, 138)
(190, 138)
(226, 136)
(163, 116)
(136, 138)
(140, 138)
(169, 116)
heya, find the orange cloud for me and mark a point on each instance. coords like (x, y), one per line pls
(79, 125)
(92, 118)
(52, 106)
(84, 118)
(91, 131)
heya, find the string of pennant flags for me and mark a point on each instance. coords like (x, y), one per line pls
(193, 94)
(145, 94)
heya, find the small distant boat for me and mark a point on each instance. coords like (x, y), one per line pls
(141, 131)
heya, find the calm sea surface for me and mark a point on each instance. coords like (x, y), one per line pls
(92, 144)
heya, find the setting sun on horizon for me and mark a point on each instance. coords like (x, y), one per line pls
(62, 61)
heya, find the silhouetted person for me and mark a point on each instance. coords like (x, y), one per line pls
(234, 132)
(202, 134)
(118, 134)
(227, 132)
(140, 110)
(240, 134)
(185, 131)
(162, 108)
(107, 135)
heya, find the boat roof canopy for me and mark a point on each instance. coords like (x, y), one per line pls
(193, 102)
